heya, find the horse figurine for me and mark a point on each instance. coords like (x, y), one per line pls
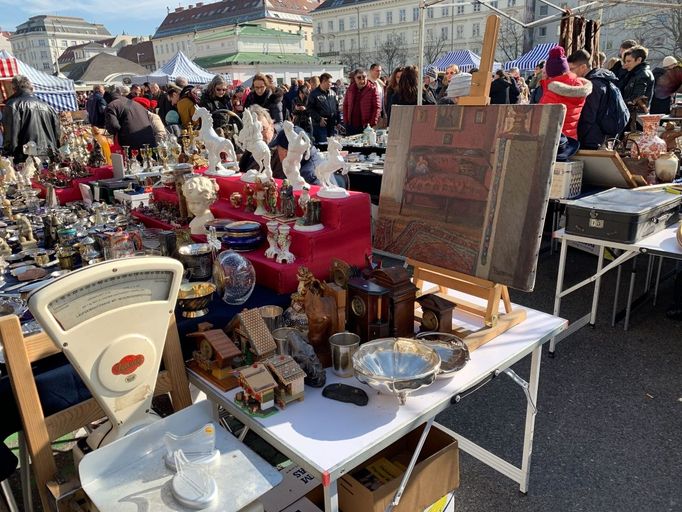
(250, 138)
(7, 173)
(299, 148)
(325, 171)
(214, 143)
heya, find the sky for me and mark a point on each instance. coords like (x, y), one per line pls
(135, 17)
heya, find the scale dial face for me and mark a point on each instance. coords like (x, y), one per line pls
(358, 306)
(98, 297)
(206, 349)
(430, 320)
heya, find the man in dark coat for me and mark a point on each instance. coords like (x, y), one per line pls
(27, 118)
(591, 132)
(618, 68)
(96, 106)
(639, 81)
(128, 121)
(323, 107)
(499, 89)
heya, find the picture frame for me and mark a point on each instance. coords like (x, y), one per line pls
(605, 168)
(448, 118)
(447, 139)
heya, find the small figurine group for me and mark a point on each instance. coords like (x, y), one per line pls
(279, 240)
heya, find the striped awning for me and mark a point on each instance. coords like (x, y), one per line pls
(464, 59)
(60, 93)
(179, 65)
(8, 67)
(529, 60)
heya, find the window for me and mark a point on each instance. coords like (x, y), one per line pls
(444, 33)
(331, 46)
(429, 13)
(543, 31)
(415, 14)
(73, 43)
(319, 28)
(47, 66)
(494, 4)
(377, 40)
(476, 30)
(353, 23)
(402, 15)
(460, 9)
(42, 42)
(342, 45)
(352, 44)
(167, 48)
(377, 19)
(43, 55)
(543, 10)
(477, 6)
(460, 32)
(330, 25)
(429, 34)
(342, 25)
(365, 42)
(364, 21)
(511, 3)
(445, 11)
(389, 17)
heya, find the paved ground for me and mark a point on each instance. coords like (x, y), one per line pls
(607, 436)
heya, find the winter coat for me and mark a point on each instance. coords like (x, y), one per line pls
(212, 104)
(301, 117)
(569, 90)
(499, 91)
(361, 107)
(288, 99)
(27, 118)
(590, 133)
(96, 107)
(129, 122)
(270, 101)
(659, 105)
(636, 83)
(323, 104)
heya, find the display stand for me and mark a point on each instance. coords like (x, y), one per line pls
(479, 94)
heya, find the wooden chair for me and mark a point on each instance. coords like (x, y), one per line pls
(39, 430)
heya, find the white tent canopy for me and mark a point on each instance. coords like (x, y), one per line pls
(179, 65)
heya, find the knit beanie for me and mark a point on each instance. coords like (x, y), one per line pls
(459, 85)
(556, 62)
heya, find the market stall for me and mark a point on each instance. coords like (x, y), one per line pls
(179, 65)
(464, 59)
(529, 60)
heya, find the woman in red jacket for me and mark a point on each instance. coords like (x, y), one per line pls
(562, 86)
(361, 104)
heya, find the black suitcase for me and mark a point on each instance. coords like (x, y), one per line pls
(622, 215)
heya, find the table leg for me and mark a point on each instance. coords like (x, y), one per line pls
(559, 288)
(631, 291)
(658, 279)
(331, 497)
(531, 411)
(615, 298)
(649, 271)
(597, 286)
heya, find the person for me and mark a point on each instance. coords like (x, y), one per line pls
(391, 88)
(537, 76)
(238, 100)
(155, 92)
(374, 76)
(323, 107)
(618, 66)
(267, 97)
(96, 106)
(442, 92)
(128, 121)
(289, 97)
(27, 118)
(594, 126)
(215, 99)
(135, 90)
(181, 81)
(186, 106)
(637, 85)
(499, 89)
(361, 105)
(146, 91)
(661, 105)
(168, 100)
(430, 80)
(407, 90)
(515, 91)
(301, 114)
(562, 86)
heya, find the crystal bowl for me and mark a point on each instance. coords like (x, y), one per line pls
(396, 366)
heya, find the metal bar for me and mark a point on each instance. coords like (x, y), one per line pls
(615, 298)
(559, 286)
(597, 285)
(618, 261)
(420, 70)
(649, 271)
(9, 497)
(242, 434)
(631, 291)
(658, 279)
(531, 412)
(331, 497)
(410, 467)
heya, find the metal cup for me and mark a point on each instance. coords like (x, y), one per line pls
(272, 316)
(343, 346)
(280, 336)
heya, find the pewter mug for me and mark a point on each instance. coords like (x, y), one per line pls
(343, 346)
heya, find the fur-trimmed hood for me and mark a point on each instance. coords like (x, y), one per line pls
(581, 90)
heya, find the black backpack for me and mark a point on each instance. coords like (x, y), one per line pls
(613, 113)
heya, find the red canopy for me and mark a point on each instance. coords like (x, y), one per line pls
(8, 67)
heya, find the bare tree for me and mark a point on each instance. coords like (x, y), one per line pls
(391, 53)
(354, 59)
(434, 47)
(661, 30)
(510, 41)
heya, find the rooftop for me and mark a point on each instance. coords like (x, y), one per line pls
(337, 4)
(64, 24)
(256, 58)
(145, 49)
(246, 30)
(101, 67)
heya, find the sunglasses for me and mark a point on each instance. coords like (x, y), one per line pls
(362, 77)
(221, 89)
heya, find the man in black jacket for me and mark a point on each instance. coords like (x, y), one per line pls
(96, 106)
(128, 121)
(323, 106)
(639, 81)
(27, 118)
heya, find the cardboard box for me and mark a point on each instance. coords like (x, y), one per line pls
(296, 483)
(435, 475)
(445, 504)
(302, 505)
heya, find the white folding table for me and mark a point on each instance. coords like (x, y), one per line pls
(662, 244)
(330, 438)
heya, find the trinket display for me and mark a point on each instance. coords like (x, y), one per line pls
(236, 199)
(325, 172)
(197, 260)
(289, 378)
(200, 193)
(215, 144)
(238, 277)
(401, 299)
(194, 298)
(250, 138)
(283, 243)
(214, 356)
(368, 315)
(311, 216)
(251, 334)
(298, 150)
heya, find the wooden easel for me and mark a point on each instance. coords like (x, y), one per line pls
(495, 323)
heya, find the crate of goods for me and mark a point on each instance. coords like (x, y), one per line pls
(567, 180)
(623, 215)
(372, 486)
(132, 198)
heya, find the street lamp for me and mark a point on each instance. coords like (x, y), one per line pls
(138, 57)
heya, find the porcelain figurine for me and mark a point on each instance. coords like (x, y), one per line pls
(313, 212)
(236, 199)
(26, 238)
(650, 145)
(299, 149)
(271, 194)
(5, 249)
(7, 209)
(309, 221)
(250, 138)
(287, 202)
(370, 136)
(249, 194)
(260, 197)
(272, 251)
(283, 243)
(214, 143)
(26, 173)
(7, 172)
(304, 198)
(200, 193)
(325, 172)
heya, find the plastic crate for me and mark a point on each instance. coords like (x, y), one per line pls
(567, 180)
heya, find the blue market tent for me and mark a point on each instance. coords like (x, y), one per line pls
(464, 59)
(528, 61)
(60, 93)
(179, 65)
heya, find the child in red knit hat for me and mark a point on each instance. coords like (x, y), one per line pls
(562, 86)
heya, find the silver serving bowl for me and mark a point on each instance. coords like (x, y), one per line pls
(453, 352)
(396, 366)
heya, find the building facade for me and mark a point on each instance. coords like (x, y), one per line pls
(183, 26)
(5, 41)
(42, 39)
(375, 30)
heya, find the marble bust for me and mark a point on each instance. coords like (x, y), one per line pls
(200, 193)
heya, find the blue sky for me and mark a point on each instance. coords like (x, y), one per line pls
(139, 17)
